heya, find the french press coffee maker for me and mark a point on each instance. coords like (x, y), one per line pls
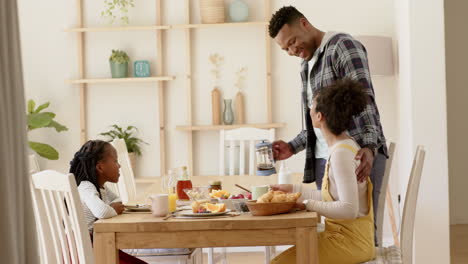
(265, 161)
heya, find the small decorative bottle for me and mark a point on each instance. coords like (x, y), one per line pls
(215, 106)
(183, 183)
(239, 108)
(238, 11)
(228, 115)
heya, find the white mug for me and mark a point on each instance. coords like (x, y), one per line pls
(159, 204)
(258, 191)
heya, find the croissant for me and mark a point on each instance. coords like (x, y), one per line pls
(292, 197)
(265, 198)
(278, 197)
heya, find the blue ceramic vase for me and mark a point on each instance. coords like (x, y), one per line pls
(238, 11)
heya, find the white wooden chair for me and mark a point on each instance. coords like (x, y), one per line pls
(62, 225)
(33, 164)
(383, 193)
(125, 188)
(393, 254)
(241, 135)
(34, 168)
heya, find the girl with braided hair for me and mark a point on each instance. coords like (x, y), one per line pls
(93, 165)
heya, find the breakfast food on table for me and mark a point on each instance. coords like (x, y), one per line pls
(278, 197)
(197, 193)
(222, 194)
(198, 207)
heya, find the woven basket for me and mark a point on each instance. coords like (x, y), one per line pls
(212, 11)
(263, 209)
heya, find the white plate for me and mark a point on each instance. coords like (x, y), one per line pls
(190, 213)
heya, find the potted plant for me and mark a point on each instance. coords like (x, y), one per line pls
(128, 135)
(36, 118)
(119, 64)
(113, 7)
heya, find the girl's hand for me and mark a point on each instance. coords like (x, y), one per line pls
(287, 188)
(118, 207)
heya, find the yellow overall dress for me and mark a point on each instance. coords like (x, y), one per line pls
(344, 241)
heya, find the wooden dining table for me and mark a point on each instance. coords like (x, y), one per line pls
(129, 231)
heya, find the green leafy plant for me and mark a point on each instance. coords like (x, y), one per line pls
(38, 119)
(133, 143)
(119, 56)
(113, 7)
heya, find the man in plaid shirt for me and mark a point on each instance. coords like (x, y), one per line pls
(326, 58)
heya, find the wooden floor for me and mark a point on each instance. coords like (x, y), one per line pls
(459, 244)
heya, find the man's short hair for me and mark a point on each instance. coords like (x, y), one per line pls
(285, 15)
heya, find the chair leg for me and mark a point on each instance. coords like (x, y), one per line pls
(210, 256)
(223, 255)
(200, 256)
(192, 258)
(391, 214)
(267, 255)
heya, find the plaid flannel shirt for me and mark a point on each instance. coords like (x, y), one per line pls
(342, 56)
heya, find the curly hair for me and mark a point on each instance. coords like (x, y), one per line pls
(285, 15)
(340, 102)
(83, 164)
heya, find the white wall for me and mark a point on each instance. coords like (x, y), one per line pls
(423, 121)
(50, 58)
(457, 96)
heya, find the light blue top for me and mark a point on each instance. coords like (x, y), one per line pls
(321, 148)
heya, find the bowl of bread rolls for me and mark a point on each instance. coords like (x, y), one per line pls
(273, 202)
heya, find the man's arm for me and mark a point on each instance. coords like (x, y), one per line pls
(299, 142)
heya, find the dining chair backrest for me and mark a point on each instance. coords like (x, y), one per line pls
(43, 249)
(126, 185)
(241, 135)
(33, 164)
(409, 209)
(61, 218)
(383, 192)
(113, 187)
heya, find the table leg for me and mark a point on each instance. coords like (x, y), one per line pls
(105, 251)
(306, 245)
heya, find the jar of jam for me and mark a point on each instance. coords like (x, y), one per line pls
(215, 185)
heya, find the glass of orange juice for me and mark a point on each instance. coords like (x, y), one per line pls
(172, 200)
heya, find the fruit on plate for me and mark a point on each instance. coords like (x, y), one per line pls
(222, 194)
(239, 196)
(215, 208)
(198, 207)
